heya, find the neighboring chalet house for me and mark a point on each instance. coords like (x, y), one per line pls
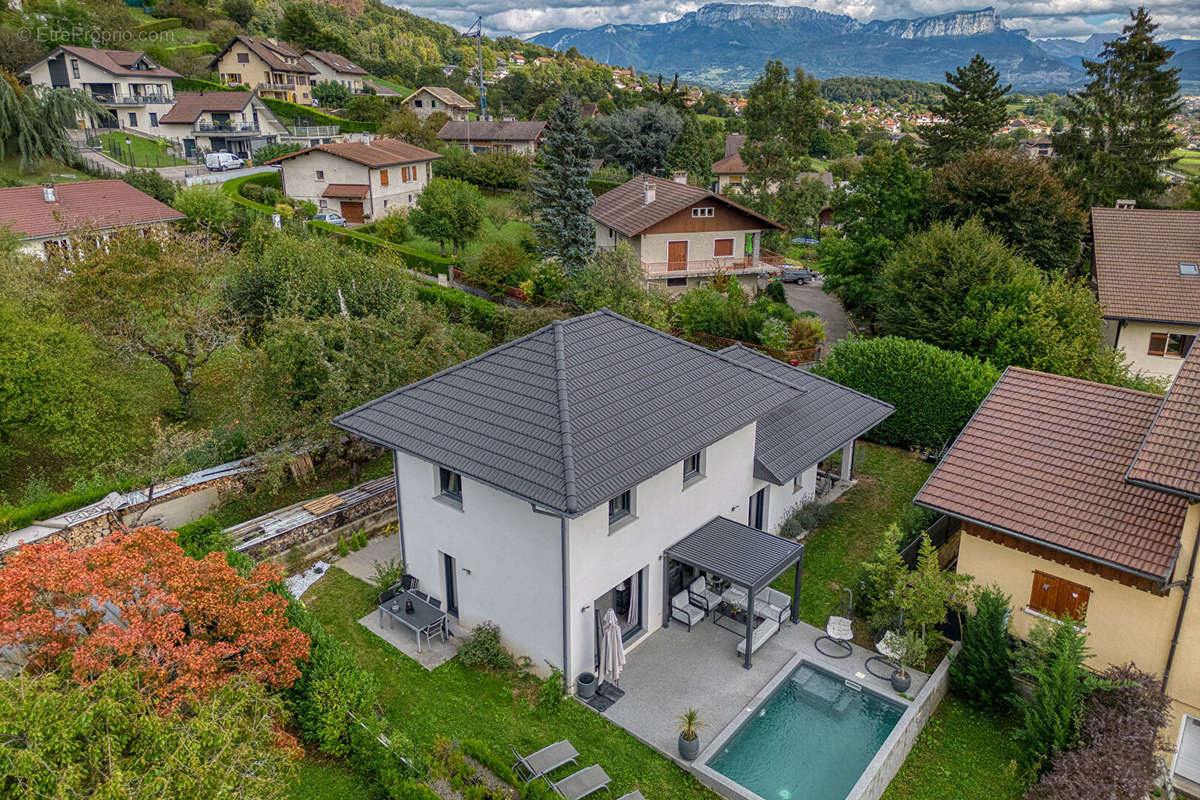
(1148, 280)
(272, 69)
(1083, 499)
(564, 473)
(232, 122)
(507, 136)
(684, 235)
(362, 181)
(429, 100)
(128, 83)
(1037, 147)
(45, 217)
(332, 68)
(730, 170)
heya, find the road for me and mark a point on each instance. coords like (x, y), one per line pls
(811, 297)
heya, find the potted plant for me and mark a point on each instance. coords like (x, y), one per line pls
(911, 656)
(689, 738)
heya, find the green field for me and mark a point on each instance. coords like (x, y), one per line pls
(46, 171)
(1189, 161)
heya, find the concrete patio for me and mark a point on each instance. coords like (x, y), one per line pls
(674, 669)
(431, 656)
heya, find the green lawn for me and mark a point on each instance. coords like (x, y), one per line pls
(513, 230)
(500, 711)
(318, 778)
(47, 170)
(140, 152)
(395, 87)
(1189, 161)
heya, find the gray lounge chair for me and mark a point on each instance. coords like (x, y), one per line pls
(580, 784)
(544, 761)
(636, 794)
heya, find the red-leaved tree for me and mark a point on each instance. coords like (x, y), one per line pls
(136, 600)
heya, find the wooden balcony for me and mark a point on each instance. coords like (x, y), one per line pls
(730, 265)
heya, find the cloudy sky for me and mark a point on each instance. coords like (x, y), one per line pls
(1043, 18)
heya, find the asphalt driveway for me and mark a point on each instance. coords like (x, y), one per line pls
(811, 297)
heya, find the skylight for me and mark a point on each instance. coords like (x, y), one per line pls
(1189, 269)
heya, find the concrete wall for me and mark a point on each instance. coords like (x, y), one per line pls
(664, 512)
(1134, 339)
(300, 182)
(508, 558)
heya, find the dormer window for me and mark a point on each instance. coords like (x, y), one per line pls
(1188, 269)
(704, 211)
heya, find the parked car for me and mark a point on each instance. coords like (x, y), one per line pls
(800, 275)
(218, 162)
(331, 217)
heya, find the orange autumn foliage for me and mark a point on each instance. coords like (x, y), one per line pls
(136, 600)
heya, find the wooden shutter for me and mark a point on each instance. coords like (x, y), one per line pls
(723, 247)
(1044, 595)
(1072, 600)
(1158, 344)
(383, 177)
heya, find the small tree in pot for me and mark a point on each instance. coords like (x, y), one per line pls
(689, 738)
(911, 656)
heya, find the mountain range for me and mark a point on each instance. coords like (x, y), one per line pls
(726, 45)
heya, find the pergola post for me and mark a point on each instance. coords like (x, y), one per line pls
(796, 589)
(749, 624)
(847, 472)
(666, 591)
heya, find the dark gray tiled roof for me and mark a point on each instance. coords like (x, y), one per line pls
(574, 413)
(800, 433)
(744, 555)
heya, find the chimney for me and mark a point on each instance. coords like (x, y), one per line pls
(679, 176)
(648, 188)
(1126, 204)
(48, 193)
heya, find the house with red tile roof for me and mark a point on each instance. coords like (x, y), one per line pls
(212, 122)
(45, 217)
(1082, 500)
(362, 181)
(268, 67)
(1145, 263)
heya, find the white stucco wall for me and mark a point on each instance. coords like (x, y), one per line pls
(430, 105)
(1134, 339)
(782, 499)
(700, 245)
(124, 86)
(326, 73)
(300, 182)
(508, 558)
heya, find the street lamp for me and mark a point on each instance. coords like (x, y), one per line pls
(129, 147)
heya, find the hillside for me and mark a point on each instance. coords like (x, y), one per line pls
(727, 45)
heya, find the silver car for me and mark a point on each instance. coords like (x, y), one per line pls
(331, 217)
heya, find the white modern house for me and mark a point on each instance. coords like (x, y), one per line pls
(600, 464)
(209, 122)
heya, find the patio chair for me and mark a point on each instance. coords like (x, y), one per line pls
(839, 629)
(420, 595)
(388, 593)
(433, 601)
(409, 582)
(891, 650)
(772, 604)
(437, 629)
(765, 630)
(636, 794)
(580, 784)
(701, 595)
(682, 610)
(544, 761)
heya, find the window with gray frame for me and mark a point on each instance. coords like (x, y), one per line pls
(620, 506)
(450, 484)
(692, 466)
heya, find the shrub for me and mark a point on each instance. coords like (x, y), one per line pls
(492, 168)
(774, 334)
(343, 549)
(934, 391)
(1051, 718)
(252, 191)
(807, 331)
(202, 536)
(362, 538)
(802, 519)
(387, 573)
(483, 649)
(205, 205)
(776, 292)
(150, 182)
(982, 673)
(500, 264)
(275, 150)
(550, 690)
(878, 596)
(394, 228)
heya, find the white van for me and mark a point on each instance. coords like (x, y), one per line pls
(217, 162)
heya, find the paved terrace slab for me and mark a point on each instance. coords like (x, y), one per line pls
(674, 669)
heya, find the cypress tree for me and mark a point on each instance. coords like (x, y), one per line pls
(690, 151)
(973, 110)
(982, 673)
(561, 196)
(1118, 138)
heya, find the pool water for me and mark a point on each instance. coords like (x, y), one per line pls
(811, 740)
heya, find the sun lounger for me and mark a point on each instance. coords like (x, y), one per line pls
(544, 761)
(580, 784)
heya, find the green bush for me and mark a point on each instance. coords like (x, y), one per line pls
(483, 649)
(550, 690)
(775, 292)
(343, 549)
(202, 536)
(293, 115)
(934, 391)
(492, 168)
(207, 207)
(275, 150)
(804, 518)
(982, 673)
(150, 182)
(199, 85)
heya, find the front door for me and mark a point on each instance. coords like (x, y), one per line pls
(451, 571)
(353, 212)
(677, 255)
(758, 508)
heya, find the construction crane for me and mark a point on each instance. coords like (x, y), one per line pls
(476, 32)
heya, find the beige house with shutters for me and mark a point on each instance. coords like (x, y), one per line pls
(270, 68)
(1147, 270)
(429, 100)
(362, 181)
(1082, 500)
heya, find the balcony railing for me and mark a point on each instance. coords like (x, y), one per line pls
(226, 127)
(277, 87)
(131, 99)
(767, 262)
(315, 130)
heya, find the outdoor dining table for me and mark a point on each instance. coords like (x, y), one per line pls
(424, 614)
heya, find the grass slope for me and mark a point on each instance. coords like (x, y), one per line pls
(140, 152)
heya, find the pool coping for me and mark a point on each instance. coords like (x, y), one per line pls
(888, 758)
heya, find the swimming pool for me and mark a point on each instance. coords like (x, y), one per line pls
(810, 740)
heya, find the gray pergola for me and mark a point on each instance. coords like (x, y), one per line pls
(741, 555)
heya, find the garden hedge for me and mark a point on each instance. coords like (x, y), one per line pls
(599, 187)
(199, 85)
(290, 112)
(935, 391)
(199, 47)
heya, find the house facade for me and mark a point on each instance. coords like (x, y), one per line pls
(136, 90)
(1147, 278)
(506, 136)
(332, 68)
(430, 100)
(362, 181)
(684, 235)
(213, 122)
(570, 460)
(269, 68)
(1082, 500)
(47, 217)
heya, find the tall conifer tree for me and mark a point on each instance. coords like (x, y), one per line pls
(561, 195)
(973, 110)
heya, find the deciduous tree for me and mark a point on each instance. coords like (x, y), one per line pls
(638, 138)
(973, 110)
(331, 94)
(448, 209)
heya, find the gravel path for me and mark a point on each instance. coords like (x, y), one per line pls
(811, 297)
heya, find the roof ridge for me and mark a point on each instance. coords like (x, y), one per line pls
(1040, 373)
(567, 439)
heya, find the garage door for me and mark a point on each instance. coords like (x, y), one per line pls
(1187, 763)
(353, 212)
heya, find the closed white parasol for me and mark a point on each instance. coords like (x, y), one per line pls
(612, 649)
